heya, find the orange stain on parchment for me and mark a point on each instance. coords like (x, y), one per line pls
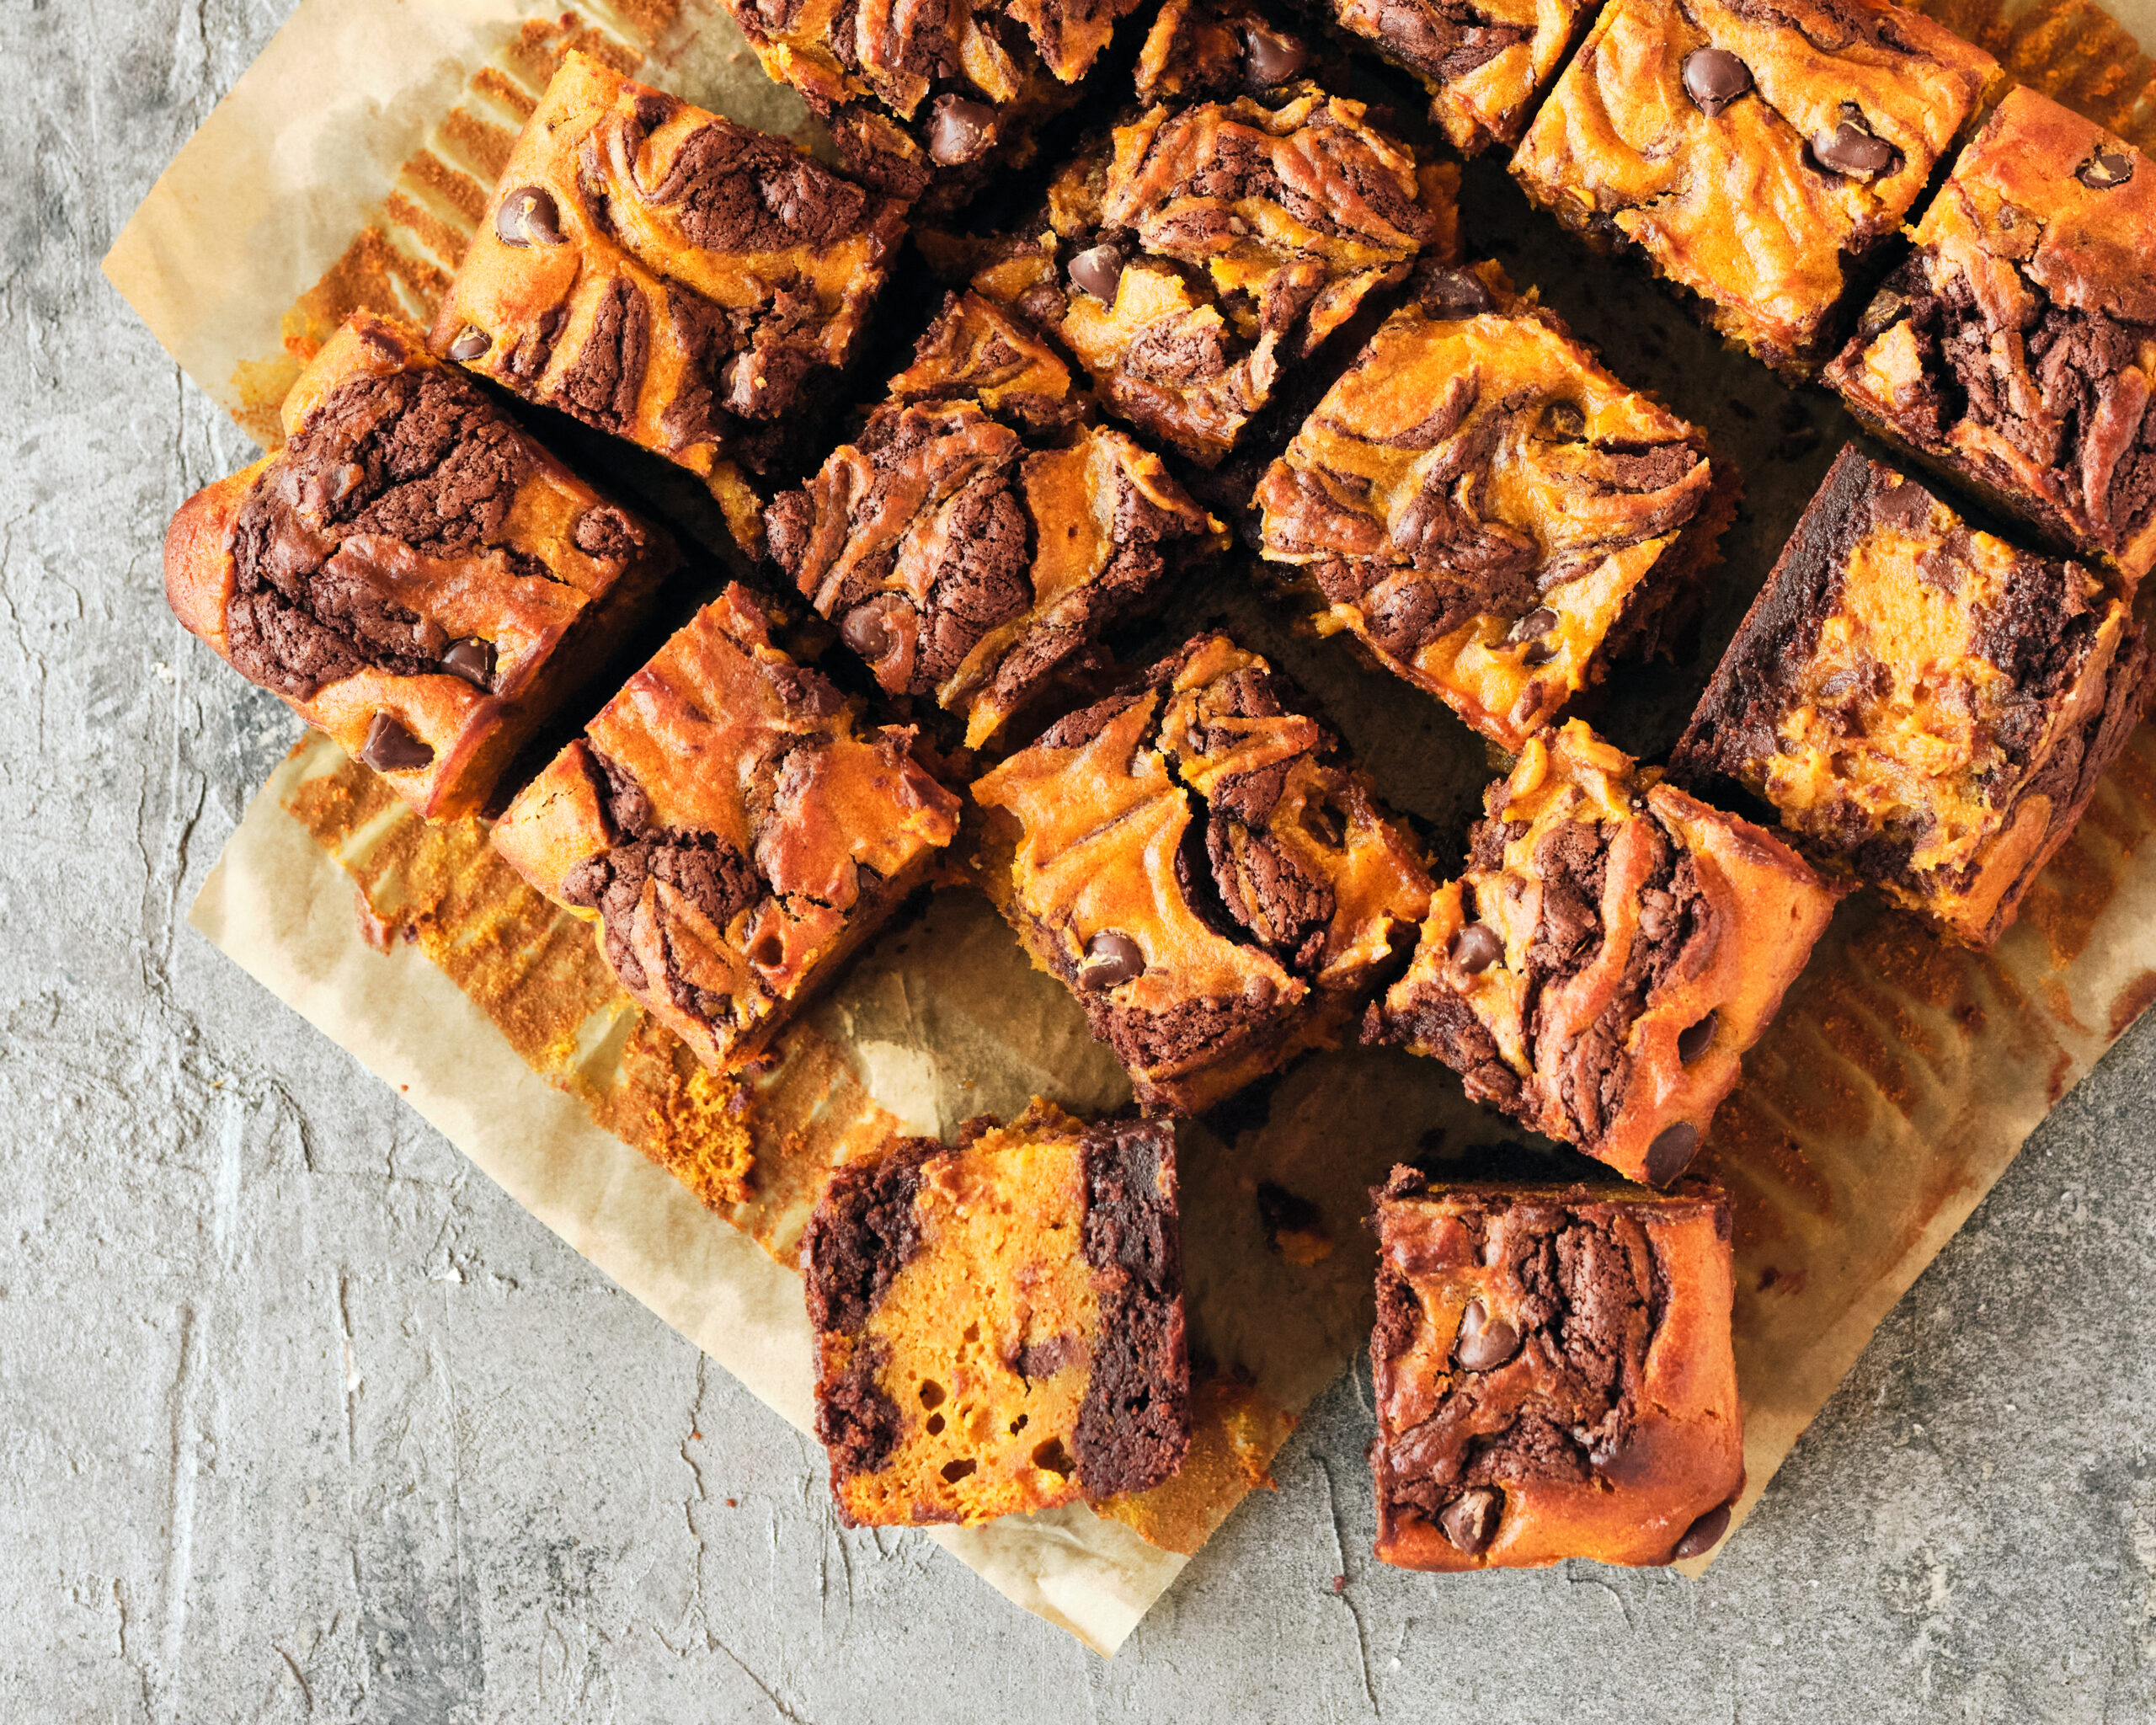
(2131, 1001)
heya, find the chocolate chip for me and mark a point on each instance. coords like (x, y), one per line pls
(960, 130)
(472, 343)
(472, 660)
(1907, 507)
(1453, 293)
(653, 110)
(1484, 1342)
(529, 216)
(1563, 420)
(1541, 653)
(1700, 1538)
(390, 748)
(1469, 1521)
(865, 630)
(1671, 1149)
(2106, 169)
(1537, 622)
(1097, 270)
(1714, 78)
(1272, 60)
(1112, 956)
(1476, 947)
(1852, 151)
(1693, 1039)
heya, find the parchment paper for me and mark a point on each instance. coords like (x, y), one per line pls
(345, 169)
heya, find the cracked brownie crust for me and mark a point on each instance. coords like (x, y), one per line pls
(1000, 1324)
(1928, 707)
(1210, 244)
(411, 574)
(731, 829)
(1553, 1374)
(1488, 510)
(1199, 865)
(669, 277)
(1756, 153)
(928, 103)
(977, 538)
(1613, 949)
(2015, 350)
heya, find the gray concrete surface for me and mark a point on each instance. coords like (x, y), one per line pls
(304, 1420)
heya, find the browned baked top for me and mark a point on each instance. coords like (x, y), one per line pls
(1612, 950)
(667, 275)
(1483, 62)
(730, 827)
(2017, 344)
(1195, 860)
(411, 569)
(1210, 243)
(1753, 150)
(980, 531)
(1553, 1374)
(1928, 707)
(1486, 508)
(999, 1323)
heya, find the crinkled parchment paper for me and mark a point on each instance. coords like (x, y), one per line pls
(345, 168)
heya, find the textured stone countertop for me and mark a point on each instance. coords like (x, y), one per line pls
(303, 1419)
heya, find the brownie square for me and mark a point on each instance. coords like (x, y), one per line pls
(732, 828)
(999, 1323)
(1756, 154)
(1612, 950)
(2015, 350)
(669, 277)
(1199, 864)
(1217, 240)
(1486, 64)
(411, 574)
(1489, 511)
(1928, 707)
(1553, 1374)
(980, 533)
(931, 103)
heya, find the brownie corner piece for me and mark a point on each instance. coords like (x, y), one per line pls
(1553, 1373)
(1489, 512)
(412, 572)
(1831, 114)
(1613, 948)
(2012, 350)
(733, 829)
(1198, 862)
(1215, 240)
(672, 278)
(984, 530)
(999, 1323)
(1927, 707)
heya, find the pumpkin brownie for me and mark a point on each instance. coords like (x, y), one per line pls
(999, 1323)
(2016, 350)
(931, 103)
(1757, 154)
(1219, 238)
(1489, 511)
(1928, 707)
(1199, 864)
(669, 277)
(732, 828)
(1553, 1373)
(983, 529)
(411, 574)
(1486, 63)
(1613, 948)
